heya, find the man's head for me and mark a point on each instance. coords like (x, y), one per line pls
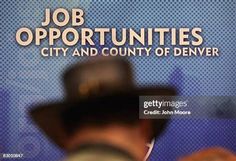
(131, 138)
(101, 107)
(115, 121)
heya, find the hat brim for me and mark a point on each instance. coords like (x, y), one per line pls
(49, 118)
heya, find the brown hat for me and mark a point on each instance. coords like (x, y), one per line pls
(101, 90)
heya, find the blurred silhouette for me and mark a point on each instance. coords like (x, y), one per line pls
(99, 117)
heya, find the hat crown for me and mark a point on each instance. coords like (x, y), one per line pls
(98, 77)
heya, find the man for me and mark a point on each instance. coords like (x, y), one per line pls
(99, 118)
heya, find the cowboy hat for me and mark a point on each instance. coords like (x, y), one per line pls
(99, 91)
